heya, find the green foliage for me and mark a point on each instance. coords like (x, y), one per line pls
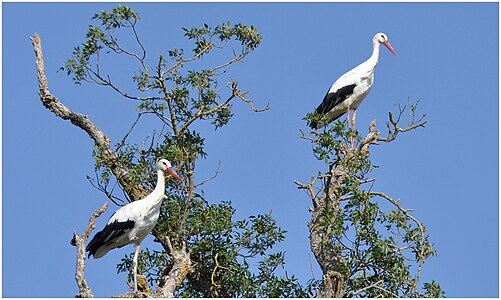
(151, 264)
(122, 16)
(223, 251)
(433, 290)
(97, 39)
(186, 94)
(246, 35)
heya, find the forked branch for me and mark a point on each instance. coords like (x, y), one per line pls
(412, 122)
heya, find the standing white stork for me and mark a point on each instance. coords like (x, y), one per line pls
(132, 222)
(351, 88)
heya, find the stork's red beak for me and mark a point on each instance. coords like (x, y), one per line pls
(173, 173)
(388, 45)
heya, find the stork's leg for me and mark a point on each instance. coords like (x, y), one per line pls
(134, 266)
(354, 117)
(348, 121)
(352, 139)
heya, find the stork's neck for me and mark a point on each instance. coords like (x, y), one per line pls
(159, 190)
(372, 61)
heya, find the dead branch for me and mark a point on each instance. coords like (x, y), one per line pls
(241, 95)
(100, 139)
(79, 242)
(412, 123)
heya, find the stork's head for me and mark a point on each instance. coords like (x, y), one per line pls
(165, 166)
(383, 39)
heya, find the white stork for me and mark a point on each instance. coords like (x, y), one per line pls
(132, 222)
(352, 87)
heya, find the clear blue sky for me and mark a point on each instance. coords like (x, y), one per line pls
(447, 172)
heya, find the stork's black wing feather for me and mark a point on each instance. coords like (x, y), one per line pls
(333, 99)
(109, 232)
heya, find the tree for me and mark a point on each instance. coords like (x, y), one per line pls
(205, 252)
(361, 250)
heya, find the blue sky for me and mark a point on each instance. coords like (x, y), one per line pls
(447, 172)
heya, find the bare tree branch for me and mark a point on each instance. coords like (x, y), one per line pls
(100, 139)
(412, 123)
(79, 242)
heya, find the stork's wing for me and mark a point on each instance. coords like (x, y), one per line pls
(335, 98)
(332, 99)
(110, 232)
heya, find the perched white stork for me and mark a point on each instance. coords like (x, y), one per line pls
(132, 222)
(352, 87)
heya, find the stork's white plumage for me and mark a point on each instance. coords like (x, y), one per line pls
(352, 87)
(132, 222)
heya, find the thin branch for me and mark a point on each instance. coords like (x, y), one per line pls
(235, 59)
(104, 189)
(393, 295)
(309, 187)
(403, 210)
(216, 173)
(167, 98)
(352, 294)
(138, 40)
(107, 82)
(242, 95)
(394, 128)
(122, 142)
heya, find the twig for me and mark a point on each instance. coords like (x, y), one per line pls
(107, 82)
(242, 95)
(365, 288)
(216, 173)
(310, 188)
(393, 127)
(122, 142)
(217, 266)
(104, 190)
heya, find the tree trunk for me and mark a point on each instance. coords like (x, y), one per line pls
(330, 261)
